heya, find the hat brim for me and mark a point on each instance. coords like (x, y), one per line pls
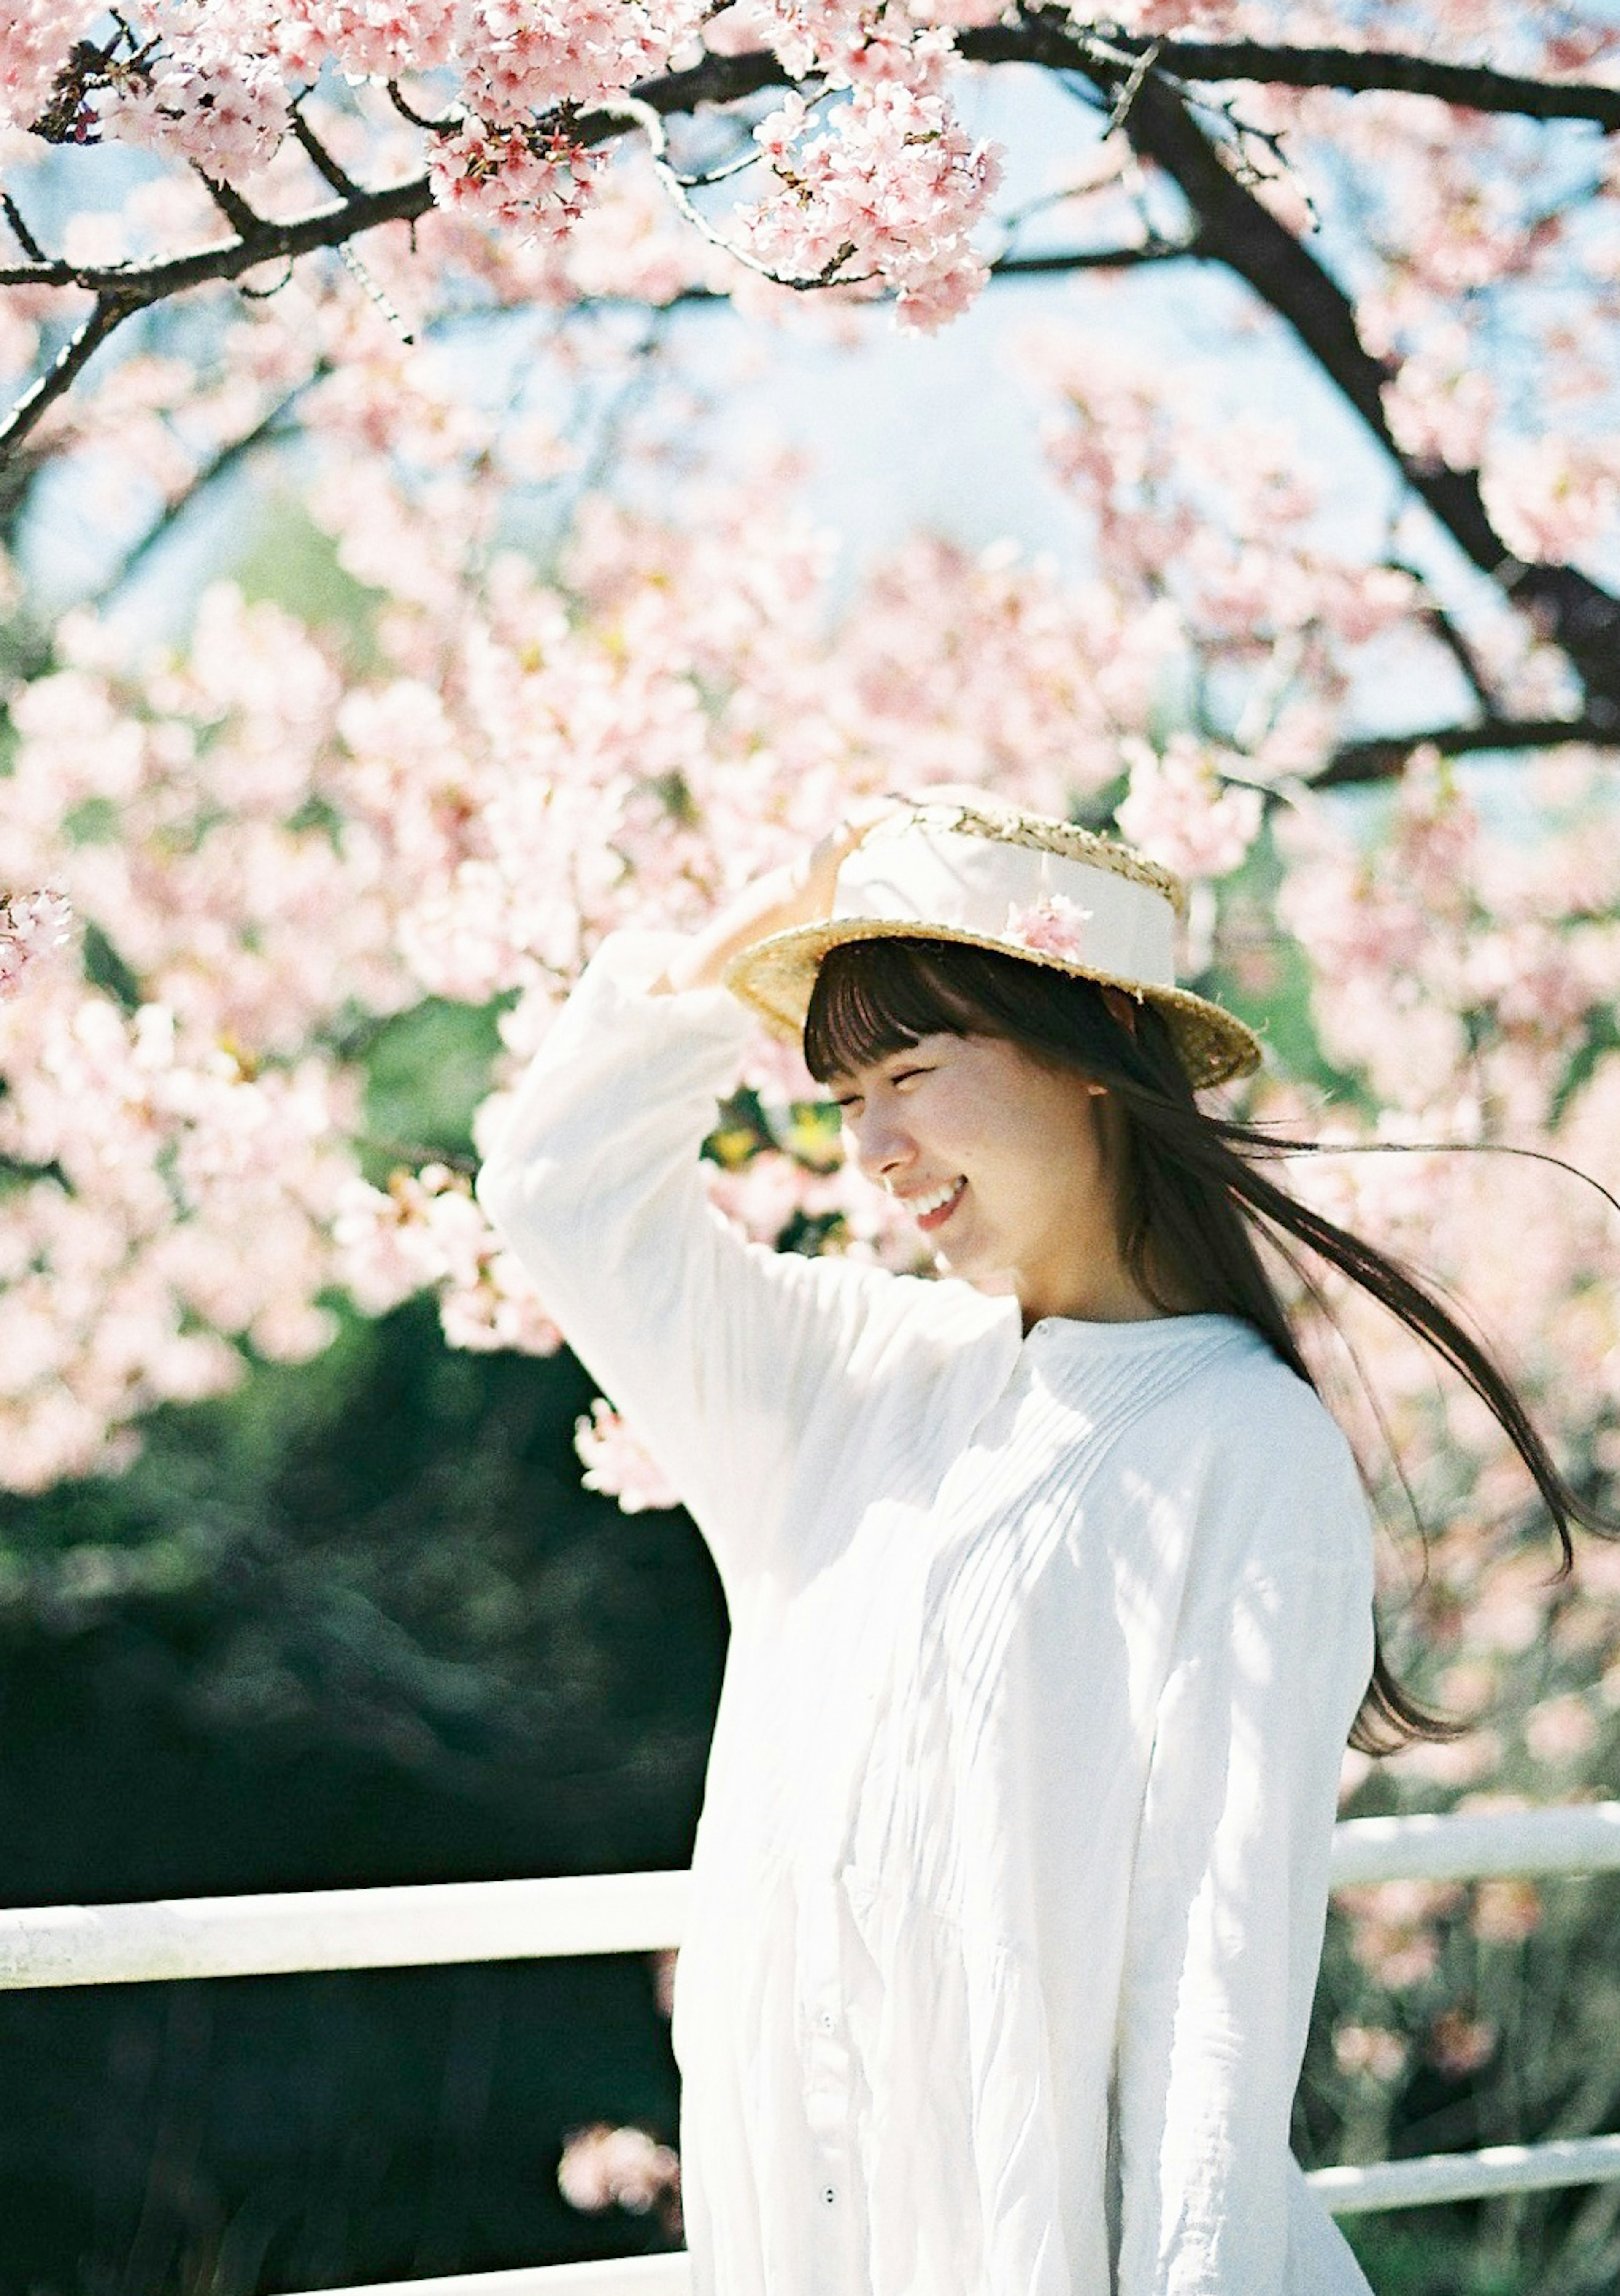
(776, 976)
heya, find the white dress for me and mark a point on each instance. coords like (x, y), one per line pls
(1009, 1890)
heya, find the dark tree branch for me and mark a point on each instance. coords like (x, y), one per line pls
(1468, 87)
(138, 284)
(396, 96)
(220, 466)
(1050, 36)
(1097, 258)
(1383, 757)
(230, 203)
(64, 369)
(1238, 230)
(24, 237)
(1441, 625)
(1005, 267)
(320, 159)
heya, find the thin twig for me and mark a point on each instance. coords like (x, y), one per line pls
(737, 167)
(264, 294)
(643, 116)
(1014, 219)
(444, 126)
(1442, 626)
(1097, 258)
(218, 466)
(358, 272)
(24, 237)
(321, 160)
(243, 219)
(1130, 89)
(63, 371)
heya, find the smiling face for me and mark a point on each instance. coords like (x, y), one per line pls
(1008, 1164)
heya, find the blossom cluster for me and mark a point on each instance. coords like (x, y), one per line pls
(606, 2168)
(273, 844)
(31, 925)
(888, 190)
(885, 196)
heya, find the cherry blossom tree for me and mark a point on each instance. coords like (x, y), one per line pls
(289, 836)
(272, 852)
(520, 146)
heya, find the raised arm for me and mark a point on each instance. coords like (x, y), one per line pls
(722, 1355)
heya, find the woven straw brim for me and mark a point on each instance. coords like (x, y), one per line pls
(776, 977)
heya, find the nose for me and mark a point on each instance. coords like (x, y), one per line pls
(879, 1143)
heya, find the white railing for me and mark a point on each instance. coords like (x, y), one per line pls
(643, 1912)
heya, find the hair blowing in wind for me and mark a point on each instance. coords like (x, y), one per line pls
(1195, 1198)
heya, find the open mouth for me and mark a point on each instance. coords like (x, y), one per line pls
(931, 1211)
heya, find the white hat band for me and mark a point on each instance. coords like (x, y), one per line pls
(1098, 918)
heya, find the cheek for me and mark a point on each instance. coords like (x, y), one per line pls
(1055, 1133)
(952, 1123)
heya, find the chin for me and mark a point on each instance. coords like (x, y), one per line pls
(996, 1283)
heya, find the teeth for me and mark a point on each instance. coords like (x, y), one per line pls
(921, 1206)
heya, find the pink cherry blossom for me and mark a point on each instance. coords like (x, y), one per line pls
(1371, 2050)
(1055, 927)
(31, 925)
(35, 39)
(513, 176)
(885, 193)
(616, 1464)
(226, 113)
(1178, 811)
(605, 2168)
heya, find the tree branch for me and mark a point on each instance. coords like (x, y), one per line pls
(1098, 259)
(24, 237)
(230, 203)
(1383, 757)
(64, 369)
(320, 159)
(220, 466)
(1468, 88)
(1441, 625)
(138, 284)
(1238, 230)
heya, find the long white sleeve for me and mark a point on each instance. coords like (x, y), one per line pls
(724, 1356)
(1229, 1894)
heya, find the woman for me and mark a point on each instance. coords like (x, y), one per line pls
(1050, 1582)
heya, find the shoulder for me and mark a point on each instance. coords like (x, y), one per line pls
(915, 1328)
(1272, 1475)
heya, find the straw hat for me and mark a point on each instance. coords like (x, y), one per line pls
(996, 877)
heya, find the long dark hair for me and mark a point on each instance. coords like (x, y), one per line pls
(1193, 1199)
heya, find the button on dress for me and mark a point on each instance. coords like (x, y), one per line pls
(1010, 1886)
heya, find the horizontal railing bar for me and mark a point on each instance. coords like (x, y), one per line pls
(618, 2276)
(1346, 2192)
(418, 1924)
(444, 1922)
(1468, 2176)
(1478, 1844)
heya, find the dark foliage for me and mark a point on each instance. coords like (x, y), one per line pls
(358, 1625)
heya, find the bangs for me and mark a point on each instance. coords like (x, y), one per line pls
(873, 998)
